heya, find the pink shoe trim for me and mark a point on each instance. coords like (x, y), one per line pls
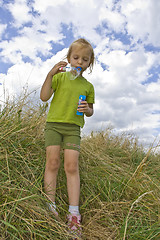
(74, 224)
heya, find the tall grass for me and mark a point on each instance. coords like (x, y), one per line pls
(120, 182)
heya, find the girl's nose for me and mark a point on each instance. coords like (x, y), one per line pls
(79, 61)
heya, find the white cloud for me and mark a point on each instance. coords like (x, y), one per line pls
(114, 19)
(27, 75)
(142, 19)
(29, 44)
(154, 88)
(41, 6)
(2, 29)
(20, 12)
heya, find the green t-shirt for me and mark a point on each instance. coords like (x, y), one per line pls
(64, 104)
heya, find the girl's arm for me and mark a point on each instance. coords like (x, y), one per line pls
(46, 90)
(89, 111)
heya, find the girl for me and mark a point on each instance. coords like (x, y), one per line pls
(63, 125)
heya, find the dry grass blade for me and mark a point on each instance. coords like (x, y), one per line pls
(136, 201)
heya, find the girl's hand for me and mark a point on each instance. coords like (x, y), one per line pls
(56, 68)
(86, 108)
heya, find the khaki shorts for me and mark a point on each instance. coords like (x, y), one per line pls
(64, 134)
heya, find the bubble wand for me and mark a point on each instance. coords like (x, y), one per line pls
(74, 71)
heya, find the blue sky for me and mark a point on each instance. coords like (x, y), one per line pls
(35, 35)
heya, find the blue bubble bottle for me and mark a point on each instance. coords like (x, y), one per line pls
(81, 98)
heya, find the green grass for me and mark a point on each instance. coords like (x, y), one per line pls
(120, 183)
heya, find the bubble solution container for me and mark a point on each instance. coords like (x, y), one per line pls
(81, 98)
(74, 71)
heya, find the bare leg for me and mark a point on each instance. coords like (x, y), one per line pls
(72, 172)
(51, 171)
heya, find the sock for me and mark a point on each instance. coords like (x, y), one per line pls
(52, 208)
(74, 209)
(53, 204)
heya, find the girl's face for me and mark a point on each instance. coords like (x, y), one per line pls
(80, 57)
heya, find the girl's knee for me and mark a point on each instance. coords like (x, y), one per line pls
(52, 158)
(71, 168)
(53, 163)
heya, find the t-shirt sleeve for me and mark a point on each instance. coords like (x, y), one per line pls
(55, 82)
(91, 95)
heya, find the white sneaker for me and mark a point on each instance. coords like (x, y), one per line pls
(52, 209)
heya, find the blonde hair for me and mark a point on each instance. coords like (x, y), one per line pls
(83, 43)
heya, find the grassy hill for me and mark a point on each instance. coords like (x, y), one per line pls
(120, 183)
